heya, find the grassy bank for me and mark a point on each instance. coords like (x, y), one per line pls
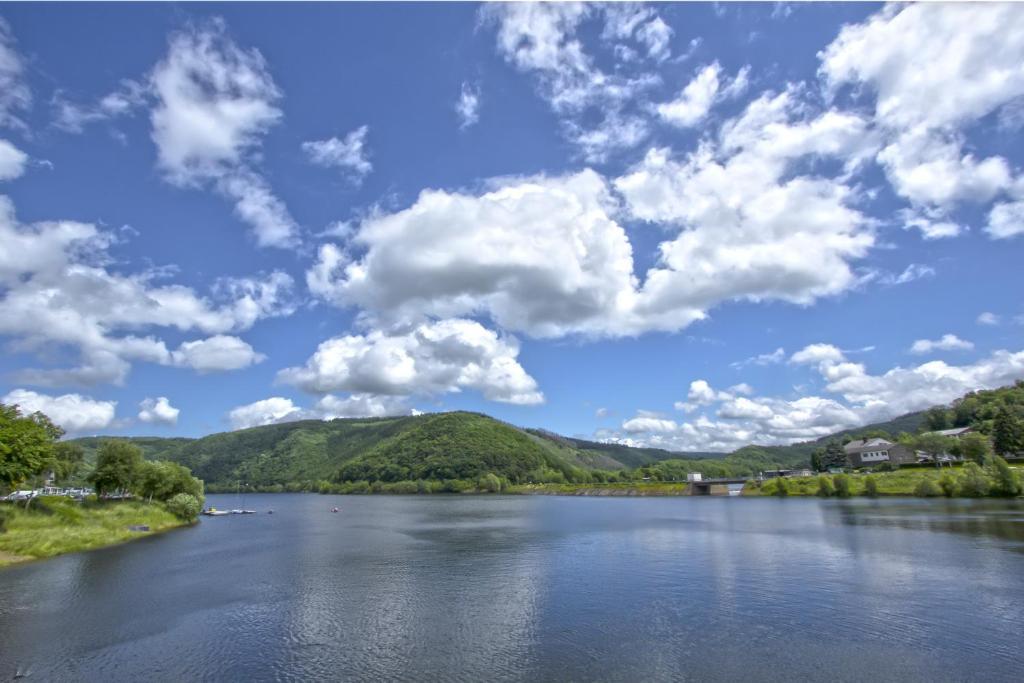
(54, 526)
(902, 482)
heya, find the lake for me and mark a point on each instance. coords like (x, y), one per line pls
(540, 588)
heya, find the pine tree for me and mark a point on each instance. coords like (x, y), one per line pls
(834, 455)
(1007, 432)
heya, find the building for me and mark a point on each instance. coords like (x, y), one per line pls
(868, 452)
(954, 433)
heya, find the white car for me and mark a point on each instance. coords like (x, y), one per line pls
(21, 495)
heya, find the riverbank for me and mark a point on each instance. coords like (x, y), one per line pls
(658, 488)
(55, 526)
(908, 481)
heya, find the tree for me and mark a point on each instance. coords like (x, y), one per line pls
(817, 458)
(948, 484)
(781, 487)
(1005, 481)
(1007, 432)
(973, 483)
(934, 444)
(117, 465)
(834, 455)
(975, 447)
(937, 418)
(67, 459)
(26, 445)
(927, 488)
(184, 506)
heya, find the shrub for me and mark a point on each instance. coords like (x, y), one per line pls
(927, 488)
(825, 487)
(973, 482)
(871, 486)
(781, 487)
(490, 483)
(1005, 481)
(184, 506)
(947, 482)
(842, 484)
(5, 514)
(886, 467)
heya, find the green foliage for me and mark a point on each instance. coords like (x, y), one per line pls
(938, 418)
(927, 488)
(825, 487)
(26, 445)
(161, 480)
(817, 459)
(1005, 480)
(949, 485)
(972, 482)
(834, 455)
(781, 487)
(117, 465)
(842, 484)
(871, 486)
(1008, 431)
(489, 482)
(184, 506)
(67, 460)
(975, 446)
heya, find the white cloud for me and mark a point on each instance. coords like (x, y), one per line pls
(468, 105)
(215, 101)
(217, 353)
(14, 93)
(57, 294)
(924, 63)
(914, 271)
(12, 161)
(158, 411)
(1006, 220)
(987, 318)
(699, 96)
(948, 342)
(776, 356)
(629, 21)
(73, 118)
(649, 424)
(432, 358)
(73, 412)
(268, 411)
(817, 353)
(348, 154)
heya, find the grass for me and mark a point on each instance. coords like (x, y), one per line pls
(54, 526)
(901, 482)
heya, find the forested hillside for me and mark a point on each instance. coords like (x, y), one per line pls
(308, 454)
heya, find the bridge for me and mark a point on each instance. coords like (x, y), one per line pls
(717, 487)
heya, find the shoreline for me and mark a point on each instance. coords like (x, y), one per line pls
(62, 528)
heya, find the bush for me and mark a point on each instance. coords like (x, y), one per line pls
(825, 487)
(184, 506)
(1005, 481)
(781, 487)
(886, 467)
(973, 482)
(927, 488)
(871, 486)
(842, 484)
(490, 483)
(947, 482)
(5, 514)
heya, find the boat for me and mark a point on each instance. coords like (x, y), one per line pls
(214, 512)
(243, 512)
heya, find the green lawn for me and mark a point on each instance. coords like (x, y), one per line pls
(901, 482)
(53, 526)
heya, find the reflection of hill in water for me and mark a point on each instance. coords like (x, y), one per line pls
(998, 519)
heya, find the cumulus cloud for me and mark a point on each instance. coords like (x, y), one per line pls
(922, 62)
(776, 356)
(468, 105)
(268, 411)
(817, 353)
(129, 96)
(348, 154)
(218, 353)
(56, 293)
(695, 101)
(429, 359)
(74, 412)
(158, 411)
(541, 38)
(1006, 220)
(623, 22)
(214, 103)
(278, 409)
(12, 161)
(988, 318)
(948, 342)
(648, 424)
(856, 398)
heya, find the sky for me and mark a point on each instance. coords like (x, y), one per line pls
(692, 226)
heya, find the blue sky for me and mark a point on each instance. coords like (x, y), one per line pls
(691, 226)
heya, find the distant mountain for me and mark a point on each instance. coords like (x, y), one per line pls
(455, 445)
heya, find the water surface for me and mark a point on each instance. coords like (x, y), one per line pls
(537, 589)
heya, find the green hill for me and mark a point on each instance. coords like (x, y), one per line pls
(441, 446)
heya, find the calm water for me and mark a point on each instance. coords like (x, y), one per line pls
(536, 588)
